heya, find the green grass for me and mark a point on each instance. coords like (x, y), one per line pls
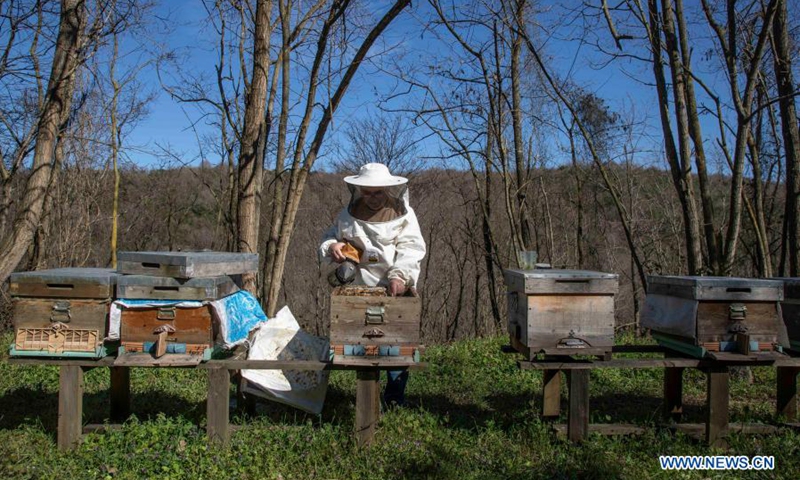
(473, 415)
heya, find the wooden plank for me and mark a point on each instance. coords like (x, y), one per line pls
(787, 393)
(120, 393)
(147, 360)
(83, 313)
(697, 430)
(192, 325)
(400, 323)
(217, 405)
(167, 288)
(673, 393)
(578, 416)
(638, 349)
(552, 318)
(79, 362)
(367, 405)
(70, 407)
(561, 282)
(619, 363)
(606, 429)
(717, 399)
(713, 321)
(64, 283)
(186, 264)
(551, 394)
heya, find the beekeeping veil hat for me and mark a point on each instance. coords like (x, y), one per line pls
(375, 175)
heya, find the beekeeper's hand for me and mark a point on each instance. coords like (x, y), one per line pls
(397, 287)
(336, 252)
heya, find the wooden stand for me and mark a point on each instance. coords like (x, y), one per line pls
(368, 405)
(716, 426)
(70, 394)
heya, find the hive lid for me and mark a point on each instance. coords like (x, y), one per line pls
(791, 287)
(64, 282)
(716, 288)
(148, 287)
(562, 274)
(186, 264)
(561, 282)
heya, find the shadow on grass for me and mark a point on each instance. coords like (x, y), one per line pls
(27, 405)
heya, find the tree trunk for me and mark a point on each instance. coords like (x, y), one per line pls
(57, 103)
(791, 136)
(299, 174)
(695, 131)
(516, 120)
(683, 155)
(251, 166)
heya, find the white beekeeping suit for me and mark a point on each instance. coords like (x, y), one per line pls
(391, 249)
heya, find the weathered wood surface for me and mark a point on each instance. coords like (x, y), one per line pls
(786, 394)
(120, 393)
(147, 360)
(716, 288)
(717, 403)
(561, 282)
(673, 393)
(791, 318)
(217, 405)
(399, 324)
(713, 321)
(578, 415)
(192, 325)
(167, 288)
(79, 314)
(606, 429)
(70, 407)
(698, 430)
(64, 283)
(729, 359)
(367, 405)
(186, 264)
(551, 394)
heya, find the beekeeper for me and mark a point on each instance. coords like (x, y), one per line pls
(382, 226)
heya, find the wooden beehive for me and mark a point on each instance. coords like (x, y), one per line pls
(561, 312)
(697, 315)
(170, 329)
(166, 288)
(367, 322)
(61, 312)
(186, 264)
(179, 330)
(790, 310)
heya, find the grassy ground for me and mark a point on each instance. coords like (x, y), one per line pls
(473, 415)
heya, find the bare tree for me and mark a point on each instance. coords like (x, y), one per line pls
(54, 114)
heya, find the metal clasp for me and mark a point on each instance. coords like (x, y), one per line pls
(60, 312)
(737, 312)
(166, 313)
(374, 315)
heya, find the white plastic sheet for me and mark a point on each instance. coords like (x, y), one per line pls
(282, 339)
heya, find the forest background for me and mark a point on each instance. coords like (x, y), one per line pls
(684, 160)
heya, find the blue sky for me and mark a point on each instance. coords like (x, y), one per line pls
(169, 121)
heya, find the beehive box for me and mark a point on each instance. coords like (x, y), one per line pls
(790, 309)
(61, 312)
(147, 287)
(367, 322)
(561, 312)
(185, 326)
(698, 315)
(180, 330)
(186, 264)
